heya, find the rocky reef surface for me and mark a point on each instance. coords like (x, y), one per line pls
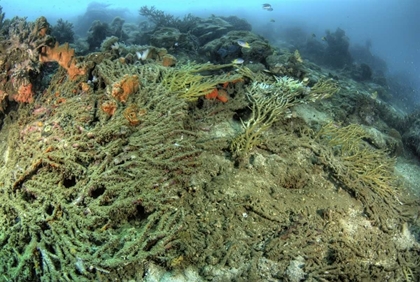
(197, 150)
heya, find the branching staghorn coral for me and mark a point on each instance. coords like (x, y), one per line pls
(158, 17)
(323, 89)
(187, 83)
(93, 196)
(365, 172)
(269, 99)
(246, 72)
(268, 102)
(161, 19)
(123, 80)
(361, 163)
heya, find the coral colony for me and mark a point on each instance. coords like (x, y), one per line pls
(195, 149)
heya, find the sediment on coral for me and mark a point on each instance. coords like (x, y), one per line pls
(367, 172)
(75, 187)
(372, 166)
(269, 100)
(324, 88)
(302, 212)
(19, 61)
(110, 71)
(267, 106)
(135, 165)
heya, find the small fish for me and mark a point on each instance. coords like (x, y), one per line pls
(238, 61)
(267, 7)
(272, 20)
(313, 35)
(374, 95)
(142, 55)
(323, 38)
(243, 44)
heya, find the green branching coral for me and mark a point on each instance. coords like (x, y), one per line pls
(324, 88)
(360, 163)
(189, 84)
(90, 195)
(246, 72)
(268, 102)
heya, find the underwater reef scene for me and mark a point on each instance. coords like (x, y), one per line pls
(193, 149)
